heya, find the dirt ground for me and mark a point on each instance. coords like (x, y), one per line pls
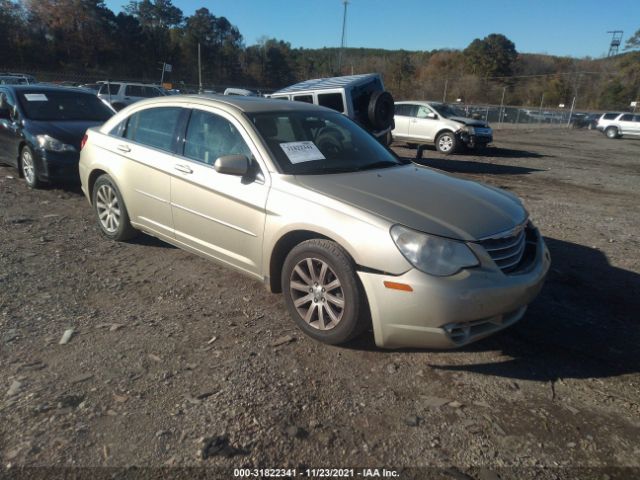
(174, 358)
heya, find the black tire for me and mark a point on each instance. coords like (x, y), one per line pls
(381, 110)
(29, 168)
(612, 132)
(102, 189)
(354, 316)
(447, 143)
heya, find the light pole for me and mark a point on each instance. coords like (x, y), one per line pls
(199, 70)
(344, 25)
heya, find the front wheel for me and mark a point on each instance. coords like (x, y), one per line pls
(322, 292)
(29, 168)
(446, 143)
(111, 212)
(611, 132)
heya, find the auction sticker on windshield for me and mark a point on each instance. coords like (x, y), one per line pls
(36, 97)
(298, 152)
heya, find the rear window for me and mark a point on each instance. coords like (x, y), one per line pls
(154, 127)
(54, 105)
(332, 101)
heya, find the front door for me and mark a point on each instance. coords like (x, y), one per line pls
(10, 131)
(217, 214)
(424, 124)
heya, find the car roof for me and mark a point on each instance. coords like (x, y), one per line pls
(40, 87)
(327, 83)
(242, 103)
(124, 82)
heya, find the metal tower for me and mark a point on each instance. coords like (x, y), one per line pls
(616, 40)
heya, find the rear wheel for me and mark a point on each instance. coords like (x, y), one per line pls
(611, 132)
(111, 213)
(322, 292)
(446, 143)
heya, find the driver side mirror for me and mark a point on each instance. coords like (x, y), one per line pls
(232, 165)
(432, 116)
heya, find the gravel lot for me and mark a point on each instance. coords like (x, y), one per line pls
(175, 361)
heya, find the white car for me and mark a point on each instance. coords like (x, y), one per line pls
(616, 125)
(419, 123)
(123, 94)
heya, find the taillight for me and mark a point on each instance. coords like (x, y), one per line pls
(84, 141)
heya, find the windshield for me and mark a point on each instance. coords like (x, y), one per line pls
(320, 142)
(61, 105)
(447, 111)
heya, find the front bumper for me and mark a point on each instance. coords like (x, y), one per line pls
(473, 140)
(58, 167)
(449, 312)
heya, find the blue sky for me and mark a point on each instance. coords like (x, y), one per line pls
(559, 27)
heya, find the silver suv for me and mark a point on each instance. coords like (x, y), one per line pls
(615, 125)
(360, 97)
(122, 94)
(419, 123)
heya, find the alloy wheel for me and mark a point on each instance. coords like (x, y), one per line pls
(28, 167)
(317, 293)
(108, 208)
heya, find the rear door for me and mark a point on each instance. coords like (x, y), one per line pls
(402, 117)
(626, 124)
(216, 214)
(147, 141)
(422, 127)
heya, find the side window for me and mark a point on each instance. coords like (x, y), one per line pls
(8, 103)
(210, 136)
(109, 88)
(134, 91)
(154, 127)
(331, 100)
(626, 118)
(423, 112)
(303, 98)
(402, 110)
(636, 118)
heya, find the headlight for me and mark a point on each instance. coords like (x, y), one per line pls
(469, 130)
(431, 254)
(49, 143)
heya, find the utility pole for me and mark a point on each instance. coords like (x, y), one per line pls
(540, 112)
(501, 117)
(444, 95)
(344, 26)
(199, 71)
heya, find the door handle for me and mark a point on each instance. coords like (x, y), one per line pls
(183, 168)
(124, 148)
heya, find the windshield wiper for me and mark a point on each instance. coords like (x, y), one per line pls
(380, 164)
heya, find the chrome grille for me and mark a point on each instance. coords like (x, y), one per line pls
(506, 251)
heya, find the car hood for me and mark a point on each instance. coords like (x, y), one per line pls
(67, 131)
(469, 121)
(424, 200)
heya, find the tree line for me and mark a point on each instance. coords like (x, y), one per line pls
(85, 36)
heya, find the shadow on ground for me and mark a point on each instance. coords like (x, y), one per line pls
(456, 165)
(584, 324)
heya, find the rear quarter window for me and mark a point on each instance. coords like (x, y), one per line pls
(610, 116)
(332, 101)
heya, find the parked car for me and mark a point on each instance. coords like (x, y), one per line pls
(41, 128)
(303, 199)
(360, 97)
(616, 125)
(240, 91)
(585, 120)
(419, 123)
(122, 94)
(13, 78)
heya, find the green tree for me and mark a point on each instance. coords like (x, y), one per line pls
(633, 42)
(494, 55)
